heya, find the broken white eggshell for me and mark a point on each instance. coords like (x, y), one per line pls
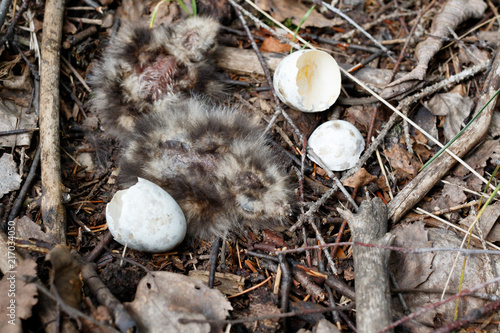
(338, 143)
(308, 80)
(146, 218)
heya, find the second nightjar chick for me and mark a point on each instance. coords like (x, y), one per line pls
(215, 162)
(142, 66)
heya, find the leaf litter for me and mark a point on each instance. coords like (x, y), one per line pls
(89, 190)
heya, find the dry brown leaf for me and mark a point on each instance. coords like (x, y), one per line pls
(360, 178)
(422, 151)
(473, 55)
(69, 28)
(227, 283)
(455, 105)
(283, 9)
(494, 131)
(477, 160)
(13, 116)
(453, 13)
(65, 275)
(18, 297)
(404, 165)
(425, 119)
(163, 298)
(27, 229)
(261, 303)
(430, 271)
(271, 44)
(486, 223)
(324, 326)
(450, 196)
(10, 179)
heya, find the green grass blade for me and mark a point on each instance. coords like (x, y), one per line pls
(183, 6)
(459, 133)
(306, 16)
(195, 9)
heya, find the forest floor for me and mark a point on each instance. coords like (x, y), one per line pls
(435, 63)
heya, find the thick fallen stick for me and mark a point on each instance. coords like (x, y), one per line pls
(371, 265)
(414, 191)
(53, 213)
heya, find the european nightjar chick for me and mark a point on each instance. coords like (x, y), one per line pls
(214, 161)
(143, 65)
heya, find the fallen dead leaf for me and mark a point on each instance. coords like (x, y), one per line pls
(163, 298)
(272, 44)
(262, 303)
(65, 275)
(455, 105)
(450, 196)
(10, 180)
(494, 131)
(27, 229)
(227, 283)
(477, 160)
(453, 13)
(487, 222)
(18, 297)
(14, 116)
(295, 10)
(430, 271)
(405, 166)
(425, 119)
(473, 55)
(360, 178)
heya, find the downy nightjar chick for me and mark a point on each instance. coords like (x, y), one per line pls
(143, 65)
(214, 161)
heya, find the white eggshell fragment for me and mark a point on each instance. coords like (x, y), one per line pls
(146, 218)
(308, 80)
(338, 143)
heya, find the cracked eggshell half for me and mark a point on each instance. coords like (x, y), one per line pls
(308, 80)
(146, 218)
(338, 143)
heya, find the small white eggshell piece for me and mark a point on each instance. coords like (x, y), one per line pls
(338, 143)
(146, 218)
(308, 80)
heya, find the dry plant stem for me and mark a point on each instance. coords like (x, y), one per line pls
(214, 253)
(471, 317)
(258, 22)
(348, 19)
(320, 239)
(100, 248)
(286, 285)
(461, 76)
(122, 319)
(10, 30)
(267, 74)
(48, 310)
(421, 310)
(276, 316)
(344, 289)
(373, 300)
(335, 179)
(406, 130)
(377, 22)
(414, 191)
(53, 212)
(408, 39)
(26, 186)
(48, 301)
